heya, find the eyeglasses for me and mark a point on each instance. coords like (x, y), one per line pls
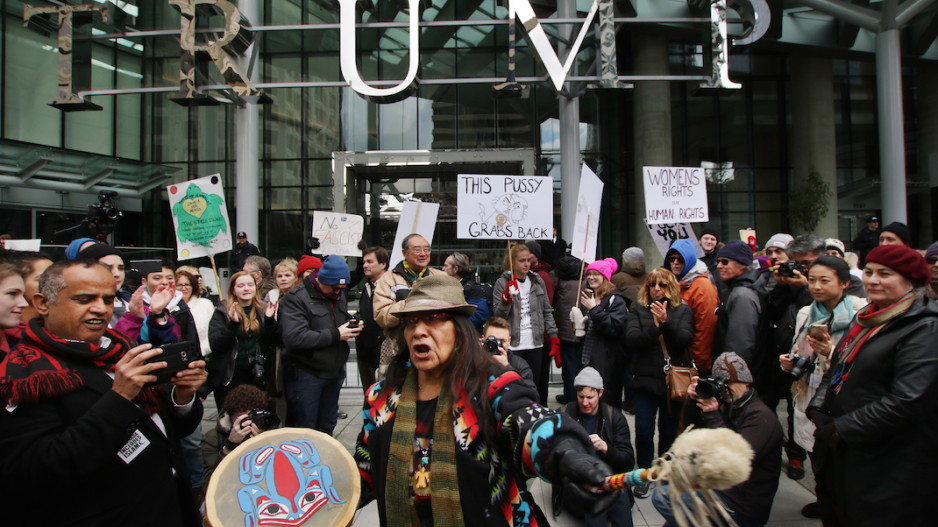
(183, 286)
(419, 250)
(932, 261)
(432, 320)
(723, 261)
(662, 285)
(675, 258)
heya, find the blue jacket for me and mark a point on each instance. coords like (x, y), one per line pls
(475, 296)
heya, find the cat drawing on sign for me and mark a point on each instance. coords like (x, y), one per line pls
(509, 209)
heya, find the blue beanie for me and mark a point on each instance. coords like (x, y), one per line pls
(334, 271)
(737, 250)
(71, 252)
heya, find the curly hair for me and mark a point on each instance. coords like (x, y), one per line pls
(672, 294)
(245, 398)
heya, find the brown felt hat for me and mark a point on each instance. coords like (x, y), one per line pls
(436, 294)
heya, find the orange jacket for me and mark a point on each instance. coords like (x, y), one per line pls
(698, 292)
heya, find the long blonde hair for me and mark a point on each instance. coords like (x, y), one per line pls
(512, 254)
(672, 293)
(250, 324)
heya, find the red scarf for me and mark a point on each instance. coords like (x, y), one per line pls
(35, 369)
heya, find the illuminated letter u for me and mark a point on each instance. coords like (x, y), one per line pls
(347, 55)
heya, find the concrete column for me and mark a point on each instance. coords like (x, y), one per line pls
(652, 126)
(813, 141)
(926, 142)
(570, 159)
(247, 180)
(891, 132)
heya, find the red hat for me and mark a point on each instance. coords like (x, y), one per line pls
(903, 260)
(306, 263)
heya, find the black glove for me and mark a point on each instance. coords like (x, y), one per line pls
(828, 434)
(401, 294)
(362, 246)
(577, 469)
(313, 244)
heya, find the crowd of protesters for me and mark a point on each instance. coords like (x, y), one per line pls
(837, 341)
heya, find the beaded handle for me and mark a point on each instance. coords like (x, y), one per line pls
(624, 480)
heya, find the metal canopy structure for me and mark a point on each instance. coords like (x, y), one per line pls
(41, 167)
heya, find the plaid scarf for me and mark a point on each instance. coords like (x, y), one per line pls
(444, 488)
(35, 370)
(869, 323)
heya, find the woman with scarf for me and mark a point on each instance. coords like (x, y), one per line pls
(876, 410)
(606, 311)
(659, 332)
(520, 297)
(237, 331)
(450, 438)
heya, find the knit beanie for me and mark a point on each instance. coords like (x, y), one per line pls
(837, 245)
(932, 250)
(899, 229)
(71, 252)
(903, 260)
(334, 271)
(780, 241)
(604, 267)
(308, 262)
(712, 230)
(535, 248)
(588, 378)
(737, 250)
(98, 251)
(730, 367)
(633, 254)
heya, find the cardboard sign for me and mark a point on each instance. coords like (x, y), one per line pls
(586, 225)
(200, 217)
(665, 234)
(22, 245)
(504, 207)
(338, 233)
(416, 217)
(675, 195)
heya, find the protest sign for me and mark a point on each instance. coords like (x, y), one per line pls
(665, 234)
(200, 217)
(504, 207)
(675, 195)
(22, 245)
(586, 224)
(416, 217)
(338, 233)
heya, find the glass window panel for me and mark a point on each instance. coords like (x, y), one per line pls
(170, 129)
(283, 117)
(319, 198)
(397, 125)
(31, 79)
(94, 131)
(320, 173)
(437, 127)
(129, 107)
(284, 173)
(359, 122)
(285, 198)
(286, 232)
(210, 126)
(476, 111)
(323, 122)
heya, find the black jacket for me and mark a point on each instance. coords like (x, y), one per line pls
(865, 242)
(566, 277)
(647, 356)
(887, 417)
(752, 419)
(240, 254)
(310, 331)
(60, 466)
(614, 430)
(743, 326)
(605, 328)
(368, 342)
(223, 337)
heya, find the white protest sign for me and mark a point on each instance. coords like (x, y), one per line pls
(675, 195)
(338, 233)
(504, 207)
(586, 225)
(200, 217)
(416, 217)
(22, 245)
(665, 234)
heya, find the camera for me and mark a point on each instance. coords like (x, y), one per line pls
(788, 269)
(257, 370)
(263, 419)
(802, 366)
(711, 387)
(353, 323)
(492, 345)
(102, 216)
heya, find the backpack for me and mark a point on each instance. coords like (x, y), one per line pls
(489, 292)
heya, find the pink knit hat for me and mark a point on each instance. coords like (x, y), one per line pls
(604, 267)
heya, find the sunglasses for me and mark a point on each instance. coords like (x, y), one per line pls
(723, 261)
(662, 285)
(675, 258)
(932, 261)
(432, 320)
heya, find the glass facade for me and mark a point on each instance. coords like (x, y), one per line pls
(744, 131)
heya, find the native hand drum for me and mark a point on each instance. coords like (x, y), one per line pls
(286, 477)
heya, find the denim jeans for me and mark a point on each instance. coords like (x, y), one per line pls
(570, 367)
(315, 401)
(620, 514)
(647, 407)
(662, 503)
(192, 453)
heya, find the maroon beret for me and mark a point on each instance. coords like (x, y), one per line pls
(903, 260)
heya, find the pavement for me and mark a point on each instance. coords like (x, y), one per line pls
(786, 509)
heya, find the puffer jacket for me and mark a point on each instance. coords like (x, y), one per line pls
(698, 292)
(566, 284)
(647, 356)
(390, 292)
(743, 326)
(223, 337)
(887, 417)
(542, 315)
(310, 330)
(630, 278)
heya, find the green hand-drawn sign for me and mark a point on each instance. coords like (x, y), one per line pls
(199, 217)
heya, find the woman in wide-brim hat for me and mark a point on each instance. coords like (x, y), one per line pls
(449, 438)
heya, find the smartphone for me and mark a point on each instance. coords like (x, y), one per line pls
(145, 267)
(177, 358)
(589, 292)
(817, 331)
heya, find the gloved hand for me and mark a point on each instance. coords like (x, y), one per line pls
(577, 469)
(362, 246)
(579, 321)
(825, 430)
(401, 294)
(555, 350)
(511, 290)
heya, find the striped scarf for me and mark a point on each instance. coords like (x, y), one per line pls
(444, 488)
(869, 323)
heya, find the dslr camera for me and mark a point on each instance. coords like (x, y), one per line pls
(491, 345)
(257, 370)
(802, 365)
(263, 419)
(711, 387)
(788, 269)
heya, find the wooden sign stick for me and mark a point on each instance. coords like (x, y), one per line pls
(221, 294)
(583, 261)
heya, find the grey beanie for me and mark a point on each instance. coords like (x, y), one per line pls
(633, 254)
(731, 368)
(779, 241)
(588, 378)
